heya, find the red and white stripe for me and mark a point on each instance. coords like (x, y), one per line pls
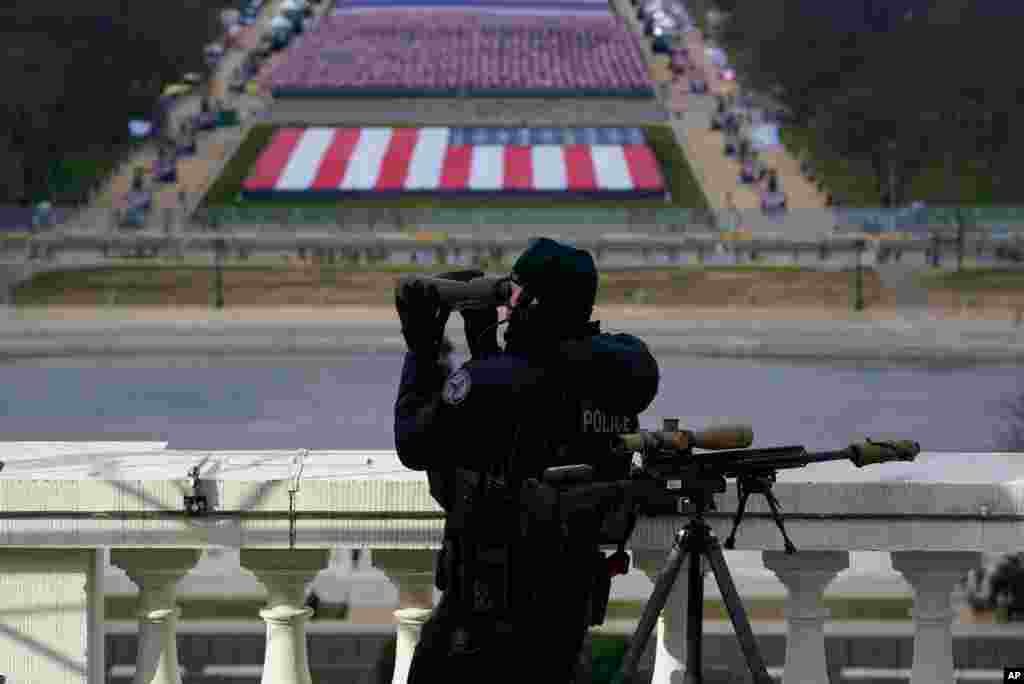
(382, 158)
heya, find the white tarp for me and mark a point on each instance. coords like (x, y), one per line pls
(765, 136)
(140, 129)
(229, 17)
(716, 56)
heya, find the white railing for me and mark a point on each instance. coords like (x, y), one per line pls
(61, 505)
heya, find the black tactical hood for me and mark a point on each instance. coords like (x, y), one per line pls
(561, 278)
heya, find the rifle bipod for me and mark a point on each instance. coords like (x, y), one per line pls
(693, 543)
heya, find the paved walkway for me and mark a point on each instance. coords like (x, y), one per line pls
(895, 340)
(374, 315)
(800, 193)
(692, 127)
(718, 174)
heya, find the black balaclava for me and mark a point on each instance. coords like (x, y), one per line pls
(559, 288)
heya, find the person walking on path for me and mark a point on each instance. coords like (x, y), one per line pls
(737, 215)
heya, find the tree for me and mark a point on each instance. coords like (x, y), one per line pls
(999, 588)
(907, 85)
(72, 94)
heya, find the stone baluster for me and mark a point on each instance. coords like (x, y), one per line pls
(670, 648)
(156, 573)
(805, 575)
(933, 575)
(285, 574)
(412, 571)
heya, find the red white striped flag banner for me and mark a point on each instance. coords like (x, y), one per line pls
(463, 160)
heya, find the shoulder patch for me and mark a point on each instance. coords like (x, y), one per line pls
(457, 387)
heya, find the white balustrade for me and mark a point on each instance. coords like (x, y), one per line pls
(412, 572)
(933, 575)
(805, 575)
(935, 532)
(285, 574)
(156, 573)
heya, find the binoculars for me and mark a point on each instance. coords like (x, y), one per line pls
(485, 292)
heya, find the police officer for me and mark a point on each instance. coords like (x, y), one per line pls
(520, 585)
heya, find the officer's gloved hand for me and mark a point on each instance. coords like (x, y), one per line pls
(481, 324)
(423, 317)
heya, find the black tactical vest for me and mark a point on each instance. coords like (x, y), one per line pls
(506, 544)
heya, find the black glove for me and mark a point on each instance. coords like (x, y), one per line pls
(481, 324)
(423, 317)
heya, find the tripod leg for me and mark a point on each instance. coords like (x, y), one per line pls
(730, 541)
(662, 589)
(695, 617)
(773, 504)
(744, 634)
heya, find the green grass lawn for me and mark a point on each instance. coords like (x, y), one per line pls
(974, 280)
(14, 239)
(121, 607)
(842, 608)
(682, 184)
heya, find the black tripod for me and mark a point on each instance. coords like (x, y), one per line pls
(695, 542)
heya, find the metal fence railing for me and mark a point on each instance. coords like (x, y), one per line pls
(481, 218)
(997, 223)
(914, 220)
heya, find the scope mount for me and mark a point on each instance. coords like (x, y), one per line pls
(694, 489)
(697, 498)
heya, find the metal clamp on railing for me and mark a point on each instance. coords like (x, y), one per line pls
(196, 504)
(297, 465)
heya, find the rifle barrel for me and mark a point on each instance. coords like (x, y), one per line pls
(751, 457)
(825, 456)
(740, 461)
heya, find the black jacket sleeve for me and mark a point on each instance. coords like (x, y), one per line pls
(418, 412)
(475, 426)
